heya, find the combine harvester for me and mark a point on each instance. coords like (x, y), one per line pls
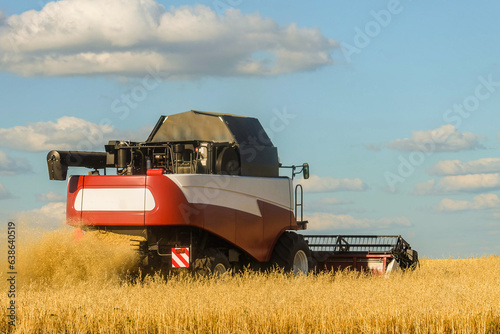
(203, 191)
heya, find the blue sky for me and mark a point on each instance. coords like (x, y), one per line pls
(394, 104)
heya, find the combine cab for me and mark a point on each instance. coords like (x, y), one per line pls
(204, 192)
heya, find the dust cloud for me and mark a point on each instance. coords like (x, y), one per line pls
(57, 258)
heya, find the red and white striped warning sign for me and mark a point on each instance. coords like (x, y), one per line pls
(180, 257)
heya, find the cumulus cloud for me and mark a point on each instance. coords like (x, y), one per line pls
(459, 183)
(325, 221)
(4, 193)
(12, 166)
(444, 139)
(319, 184)
(67, 133)
(479, 202)
(48, 217)
(457, 167)
(470, 183)
(127, 37)
(51, 197)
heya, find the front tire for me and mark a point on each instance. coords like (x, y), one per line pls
(211, 262)
(292, 253)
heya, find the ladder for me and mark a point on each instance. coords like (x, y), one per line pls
(299, 204)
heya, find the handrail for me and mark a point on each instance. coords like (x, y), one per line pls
(301, 204)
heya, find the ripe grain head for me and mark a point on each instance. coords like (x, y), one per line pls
(79, 287)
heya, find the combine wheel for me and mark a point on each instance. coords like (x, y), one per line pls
(292, 253)
(212, 261)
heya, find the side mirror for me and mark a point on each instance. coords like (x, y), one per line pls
(305, 171)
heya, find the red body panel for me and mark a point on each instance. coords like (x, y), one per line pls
(171, 208)
(75, 184)
(104, 218)
(254, 234)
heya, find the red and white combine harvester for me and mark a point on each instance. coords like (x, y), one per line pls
(204, 191)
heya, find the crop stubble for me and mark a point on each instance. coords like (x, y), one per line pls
(89, 287)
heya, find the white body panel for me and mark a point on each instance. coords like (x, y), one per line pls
(235, 192)
(115, 199)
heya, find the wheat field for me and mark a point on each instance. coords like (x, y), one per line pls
(89, 286)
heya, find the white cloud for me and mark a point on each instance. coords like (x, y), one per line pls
(4, 193)
(457, 167)
(128, 37)
(67, 133)
(444, 139)
(329, 184)
(459, 183)
(51, 197)
(479, 202)
(12, 166)
(48, 217)
(471, 183)
(324, 221)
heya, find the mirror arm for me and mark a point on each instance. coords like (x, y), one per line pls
(304, 170)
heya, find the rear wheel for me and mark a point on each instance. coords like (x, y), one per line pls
(292, 253)
(211, 261)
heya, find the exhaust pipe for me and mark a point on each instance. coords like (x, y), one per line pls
(59, 161)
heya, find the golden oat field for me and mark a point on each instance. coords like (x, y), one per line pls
(89, 287)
